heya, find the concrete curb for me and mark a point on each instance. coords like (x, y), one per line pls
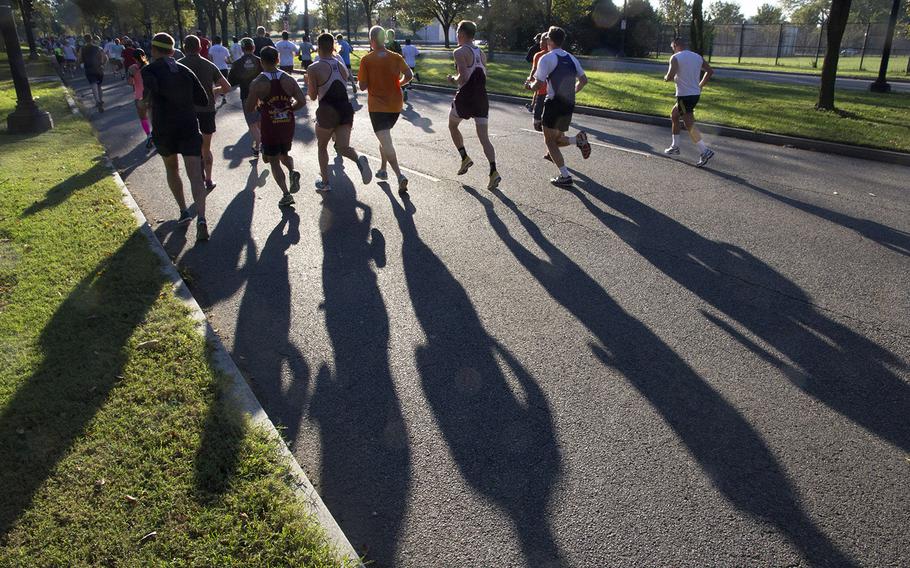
(861, 152)
(239, 391)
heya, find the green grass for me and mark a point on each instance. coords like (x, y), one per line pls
(847, 66)
(112, 422)
(865, 119)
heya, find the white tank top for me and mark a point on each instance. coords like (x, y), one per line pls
(476, 64)
(688, 73)
(334, 76)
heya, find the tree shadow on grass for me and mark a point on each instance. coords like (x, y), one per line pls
(503, 441)
(827, 360)
(84, 352)
(63, 190)
(728, 449)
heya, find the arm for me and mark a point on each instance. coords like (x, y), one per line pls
(252, 100)
(709, 72)
(541, 73)
(223, 87)
(292, 87)
(581, 82)
(406, 71)
(461, 66)
(362, 77)
(671, 72)
(312, 87)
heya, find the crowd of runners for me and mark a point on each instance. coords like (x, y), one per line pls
(178, 90)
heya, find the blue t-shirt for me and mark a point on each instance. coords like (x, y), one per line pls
(345, 52)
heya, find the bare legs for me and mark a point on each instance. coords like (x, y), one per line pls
(207, 158)
(342, 136)
(387, 151)
(555, 140)
(193, 166)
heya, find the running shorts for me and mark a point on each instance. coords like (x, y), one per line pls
(275, 149)
(383, 120)
(557, 115)
(287, 69)
(687, 104)
(185, 144)
(334, 114)
(206, 122)
(97, 78)
(470, 105)
(306, 63)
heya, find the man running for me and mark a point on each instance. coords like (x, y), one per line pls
(208, 75)
(345, 50)
(306, 52)
(204, 44)
(335, 116)
(410, 54)
(221, 57)
(540, 95)
(391, 43)
(261, 40)
(471, 99)
(236, 50)
(280, 96)
(116, 55)
(686, 71)
(286, 52)
(380, 75)
(173, 92)
(69, 57)
(243, 71)
(93, 59)
(564, 78)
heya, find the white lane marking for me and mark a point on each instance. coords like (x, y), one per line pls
(409, 170)
(601, 144)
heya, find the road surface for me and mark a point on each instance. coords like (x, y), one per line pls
(661, 366)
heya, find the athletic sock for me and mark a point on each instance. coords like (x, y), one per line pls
(145, 126)
(675, 142)
(572, 139)
(492, 167)
(564, 171)
(463, 153)
(702, 147)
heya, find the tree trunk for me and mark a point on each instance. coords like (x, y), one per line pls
(246, 11)
(837, 22)
(697, 30)
(26, 12)
(224, 23)
(489, 29)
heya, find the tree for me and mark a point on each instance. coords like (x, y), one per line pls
(368, 7)
(837, 23)
(807, 12)
(768, 14)
(697, 29)
(412, 14)
(721, 13)
(675, 12)
(26, 11)
(446, 12)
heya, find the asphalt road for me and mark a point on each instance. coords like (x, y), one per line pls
(661, 366)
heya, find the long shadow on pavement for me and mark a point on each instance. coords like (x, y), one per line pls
(827, 360)
(83, 348)
(725, 445)
(365, 452)
(503, 443)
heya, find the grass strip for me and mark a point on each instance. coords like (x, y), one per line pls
(848, 67)
(863, 119)
(115, 443)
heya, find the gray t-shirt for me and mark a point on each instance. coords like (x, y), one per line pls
(207, 74)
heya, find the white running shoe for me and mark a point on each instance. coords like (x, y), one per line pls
(322, 185)
(672, 151)
(706, 155)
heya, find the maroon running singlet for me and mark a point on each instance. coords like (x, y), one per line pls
(277, 118)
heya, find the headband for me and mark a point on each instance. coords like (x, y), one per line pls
(163, 45)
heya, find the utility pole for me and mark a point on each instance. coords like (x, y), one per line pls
(306, 17)
(27, 117)
(881, 84)
(622, 26)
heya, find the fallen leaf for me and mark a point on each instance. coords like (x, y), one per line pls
(150, 536)
(148, 344)
(99, 485)
(130, 499)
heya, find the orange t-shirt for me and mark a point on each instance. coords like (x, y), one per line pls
(382, 71)
(537, 56)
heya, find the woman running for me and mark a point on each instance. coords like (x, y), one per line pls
(326, 80)
(135, 79)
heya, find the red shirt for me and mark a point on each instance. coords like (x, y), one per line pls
(204, 45)
(128, 59)
(537, 56)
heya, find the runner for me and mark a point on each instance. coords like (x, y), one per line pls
(540, 95)
(69, 58)
(686, 71)
(286, 52)
(236, 50)
(305, 52)
(204, 44)
(220, 56)
(410, 54)
(116, 56)
(208, 75)
(391, 43)
(135, 79)
(243, 71)
(128, 50)
(93, 59)
(345, 50)
(335, 116)
(280, 96)
(173, 91)
(564, 77)
(261, 40)
(380, 75)
(471, 99)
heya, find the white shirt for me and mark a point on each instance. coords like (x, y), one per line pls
(219, 55)
(107, 47)
(547, 64)
(688, 73)
(69, 52)
(410, 53)
(286, 52)
(306, 50)
(236, 51)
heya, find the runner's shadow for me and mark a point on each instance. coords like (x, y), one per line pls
(830, 362)
(63, 190)
(83, 355)
(127, 163)
(239, 151)
(622, 141)
(890, 238)
(365, 451)
(503, 442)
(730, 452)
(416, 119)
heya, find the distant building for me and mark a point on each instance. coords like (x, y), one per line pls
(434, 34)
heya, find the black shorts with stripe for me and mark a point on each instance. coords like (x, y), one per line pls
(688, 103)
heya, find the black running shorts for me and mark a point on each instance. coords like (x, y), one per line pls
(96, 78)
(557, 115)
(334, 114)
(206, 122)
(470, 105)
(687, 104)
(383, 120)
(184, 144)
(287, 69)
(275, 149)
(539, 100)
